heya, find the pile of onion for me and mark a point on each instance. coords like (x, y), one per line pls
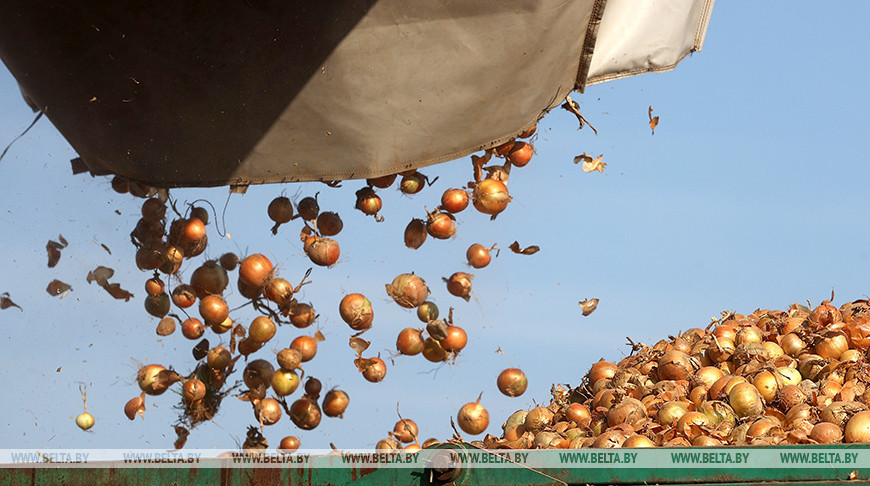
(772, 377)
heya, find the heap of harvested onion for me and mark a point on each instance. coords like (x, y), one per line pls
(798, 376)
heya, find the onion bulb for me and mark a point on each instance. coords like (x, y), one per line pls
(473, 418)
(405, 431)
(193, 391)
(858, 428)
(308, 208)
(289, 444)
(155, 379)
(335, 403)
(284, 382)
(455, 340)
(329, 224)
(85, 420)
(323, 251)
(745, 400)
(454, 200)
(408, 290)
(427, 312)
(410, 341)
(307, 347)
(268, 411)
(375, 371)
(356, 311)
(490, 196)
(382, 182)
(280, 211)
(289, 359)
(520, 154)
(459, 284)
(440, 225)
(255, 270)
(478, 256)
(512, 382)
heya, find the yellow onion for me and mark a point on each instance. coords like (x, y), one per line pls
(773, 350)
(791, 396)
(768, 384)
(155, 379)
(718, 412)
(546, 440)
(858, 428)
(538, 418)
(790, 376)
(826, 433)
(721, 350)
(601, 369)
(692, 424)
(745, 400)
(832, 345)
(671, 412)
(749, 334)
(628, 411)
(764, 426)
(490, 196)
(708, 375)
(610, 439)
(637, 440)
(268, 411)
(408, 290)
(839, 413)
(792, 344)
(706, 441)
(675, 365)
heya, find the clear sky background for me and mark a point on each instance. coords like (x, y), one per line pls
(751, 194)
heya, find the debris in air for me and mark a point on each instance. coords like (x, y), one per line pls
(56, 287)
(6, 302)
(53, 249)
(653, 121)
(588, 306)
(101, 275)
(529, 250)
(590, 164)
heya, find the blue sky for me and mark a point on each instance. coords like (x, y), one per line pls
(750, 194)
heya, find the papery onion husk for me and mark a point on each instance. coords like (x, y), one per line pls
(811, 365)
(415, 234)
(692, 424)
